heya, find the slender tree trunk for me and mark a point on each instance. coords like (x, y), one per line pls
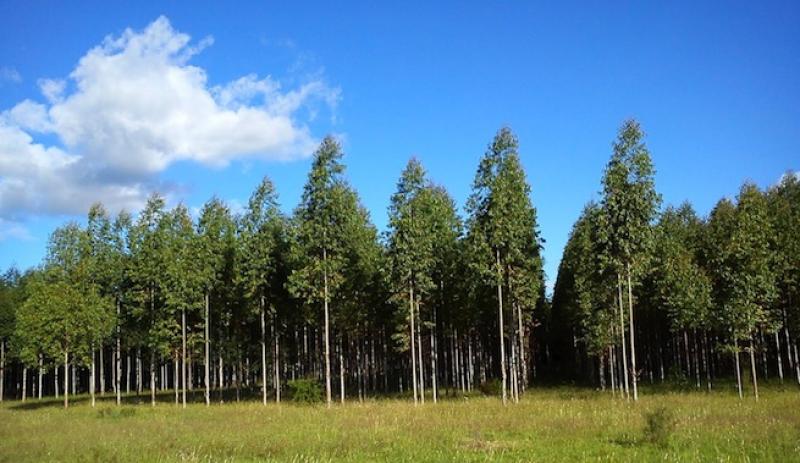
(611, 361)
(276, 336)
(118, 360)
(263, 354)
(102, 372)
(207, 354)
(341, 371)
(152, 377)
(24, 383)
(92, 379)
(183, 357)
(433, 361)
(66, 379)
(753, 366)
(738, 369)
(500, 320)
(779, 355)
(2, 367)
(411, 340)
(632, 331)
(623, 342)
(176, 374)
(41, 375)
(523, 364)
(327, 327)
(419, 353)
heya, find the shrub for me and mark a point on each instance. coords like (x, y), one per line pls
(659, 425)
(491, 387)
(305, 390)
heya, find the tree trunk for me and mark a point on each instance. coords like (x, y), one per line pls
(263, 355)
(779, 355)
(66, 379)
(341, 372)
(419, 353)
(327, 327)
(207, 354)
(433, 364)
(183, 357)
(24, 383)
(176, 374)
(118, 360)
(622, 338)
(276, 336)
(92, 379)
(411, 340)
(753, 366)
(521, 334)
(152, 377)
(2, 367)
(41, 375)
(102, 373)
(631, 331)
(738, 369)
(500, 321)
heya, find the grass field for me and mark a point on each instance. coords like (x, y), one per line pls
(550, 424)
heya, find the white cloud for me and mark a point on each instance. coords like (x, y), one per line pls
(132, 107)
(9, 74)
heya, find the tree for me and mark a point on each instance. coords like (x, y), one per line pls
(748, 274)
(65, 316)
(216, 234)
(504, 237)
(630, 203)
(148, 246)
(320, 241)
(183, 291)
(262, 236)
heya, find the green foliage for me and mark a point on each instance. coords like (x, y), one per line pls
(659, 426)
(491, 387)
(305, 390)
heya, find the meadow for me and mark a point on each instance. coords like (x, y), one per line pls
(549, 424)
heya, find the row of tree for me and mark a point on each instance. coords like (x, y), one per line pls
(240, 302)
(226, 304)
(704, 290)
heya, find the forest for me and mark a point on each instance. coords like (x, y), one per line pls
(318, 305)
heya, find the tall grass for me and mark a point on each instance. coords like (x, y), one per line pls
(554, 424)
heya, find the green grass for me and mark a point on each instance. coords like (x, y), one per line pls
(550, 424)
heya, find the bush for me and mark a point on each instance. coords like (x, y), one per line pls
(116, 412)
(492, 387)
(659, 426)
(305, 390)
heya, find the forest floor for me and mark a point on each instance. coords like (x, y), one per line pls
(550, 424)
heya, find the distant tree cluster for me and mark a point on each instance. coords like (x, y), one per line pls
(232, 304)
(704, 290)
(225, 305)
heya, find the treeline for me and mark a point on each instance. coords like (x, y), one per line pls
(225, 304)
(675, 297)
(234, 303)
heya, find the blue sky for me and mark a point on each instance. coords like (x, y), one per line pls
(715, 85)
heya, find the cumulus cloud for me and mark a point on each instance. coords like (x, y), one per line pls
(133, 106)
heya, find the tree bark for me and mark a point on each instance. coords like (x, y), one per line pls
(41, 375)
(277, 361)
(118, 360)
(66, 379)
(183, 357)
(327, 327)
(207, 354)
(419, 353)
(623, 342)
(411, 340)
(25, 383)
(2, 367)
(631, 331)
(753, 366)
(779, 355)
(738, 369)
(152, 377)
(92, 379)
(500, 320)
(263, 354)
